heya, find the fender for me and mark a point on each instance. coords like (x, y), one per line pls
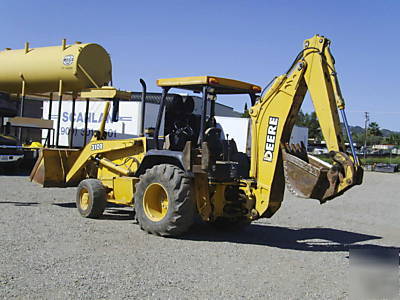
(155, 157)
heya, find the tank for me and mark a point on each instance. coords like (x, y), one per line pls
(79, 66)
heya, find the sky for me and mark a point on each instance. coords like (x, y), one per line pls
(252, 41)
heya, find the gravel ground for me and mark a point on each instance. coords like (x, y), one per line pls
(48, 251)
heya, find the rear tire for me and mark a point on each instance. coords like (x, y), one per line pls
(91, 198)
(163, 201)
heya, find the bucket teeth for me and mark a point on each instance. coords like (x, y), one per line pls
(306, 176)
(298, 150)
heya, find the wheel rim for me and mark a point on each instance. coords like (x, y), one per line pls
(84, 199)
(155, 202)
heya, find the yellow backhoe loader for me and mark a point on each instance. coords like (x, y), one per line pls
(193, 170)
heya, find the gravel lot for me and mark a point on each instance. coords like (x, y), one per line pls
(48, 251)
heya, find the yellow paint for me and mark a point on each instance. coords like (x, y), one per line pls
(84, 199)
(283, 101)
(218, 200)
(222, 85)
(201, 189)
(123, 190)
(272, 119)
(42, 69)
(106, 92)
(155, 202)
(130, 151)
(33, 145)
(103, 122)
(52, 166)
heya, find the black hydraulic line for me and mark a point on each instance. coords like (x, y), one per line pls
(143, 107)
(253, 98)
(348, 132)
(267, 86)
(160, 115)
(296, 60)
(86, 122)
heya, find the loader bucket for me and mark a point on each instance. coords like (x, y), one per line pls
(52, 166)
(309, 177)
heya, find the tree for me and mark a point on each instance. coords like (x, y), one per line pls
(393, 139)
(311, 122)
(301, 121)
(245, 113)
(374, 130)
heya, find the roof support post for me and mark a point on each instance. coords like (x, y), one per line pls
(160, 115)
(203, 114)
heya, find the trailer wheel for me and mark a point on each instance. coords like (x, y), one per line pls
(91, 198)
(163, 201)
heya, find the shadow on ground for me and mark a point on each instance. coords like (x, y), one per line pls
(112, 212)
(20, 203)
(317, 239)
(302, 239)
(66, 204)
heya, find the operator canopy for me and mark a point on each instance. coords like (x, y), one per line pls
(221, 85)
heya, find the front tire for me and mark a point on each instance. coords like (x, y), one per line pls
(163, 201)
(91, 198)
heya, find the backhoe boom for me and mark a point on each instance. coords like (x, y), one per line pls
(273, 118)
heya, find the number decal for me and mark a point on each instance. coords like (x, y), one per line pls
(95, 147)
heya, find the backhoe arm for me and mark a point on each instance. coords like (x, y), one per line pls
(273, 118)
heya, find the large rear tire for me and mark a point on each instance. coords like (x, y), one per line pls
(163, 201)
(91, 198)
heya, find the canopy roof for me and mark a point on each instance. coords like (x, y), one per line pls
(221, 85)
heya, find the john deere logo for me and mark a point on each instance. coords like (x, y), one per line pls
(68, 60)
(271, 138)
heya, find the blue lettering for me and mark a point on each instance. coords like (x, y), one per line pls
(65, 116)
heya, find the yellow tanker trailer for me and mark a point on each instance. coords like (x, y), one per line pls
(63, 69)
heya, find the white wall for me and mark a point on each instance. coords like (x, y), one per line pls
(236, 128)
(126, 127)
(299, 134)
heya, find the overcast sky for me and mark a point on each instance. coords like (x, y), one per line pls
(246, 40)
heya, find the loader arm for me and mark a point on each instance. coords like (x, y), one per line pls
(273, 118)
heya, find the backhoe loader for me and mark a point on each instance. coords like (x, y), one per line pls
(191, 170)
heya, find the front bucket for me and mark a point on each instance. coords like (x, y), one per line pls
(309, 177)
(52, 166)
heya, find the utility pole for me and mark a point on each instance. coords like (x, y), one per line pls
(366, 133)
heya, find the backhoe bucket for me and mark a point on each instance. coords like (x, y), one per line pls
(309, 177)
(52, 166)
